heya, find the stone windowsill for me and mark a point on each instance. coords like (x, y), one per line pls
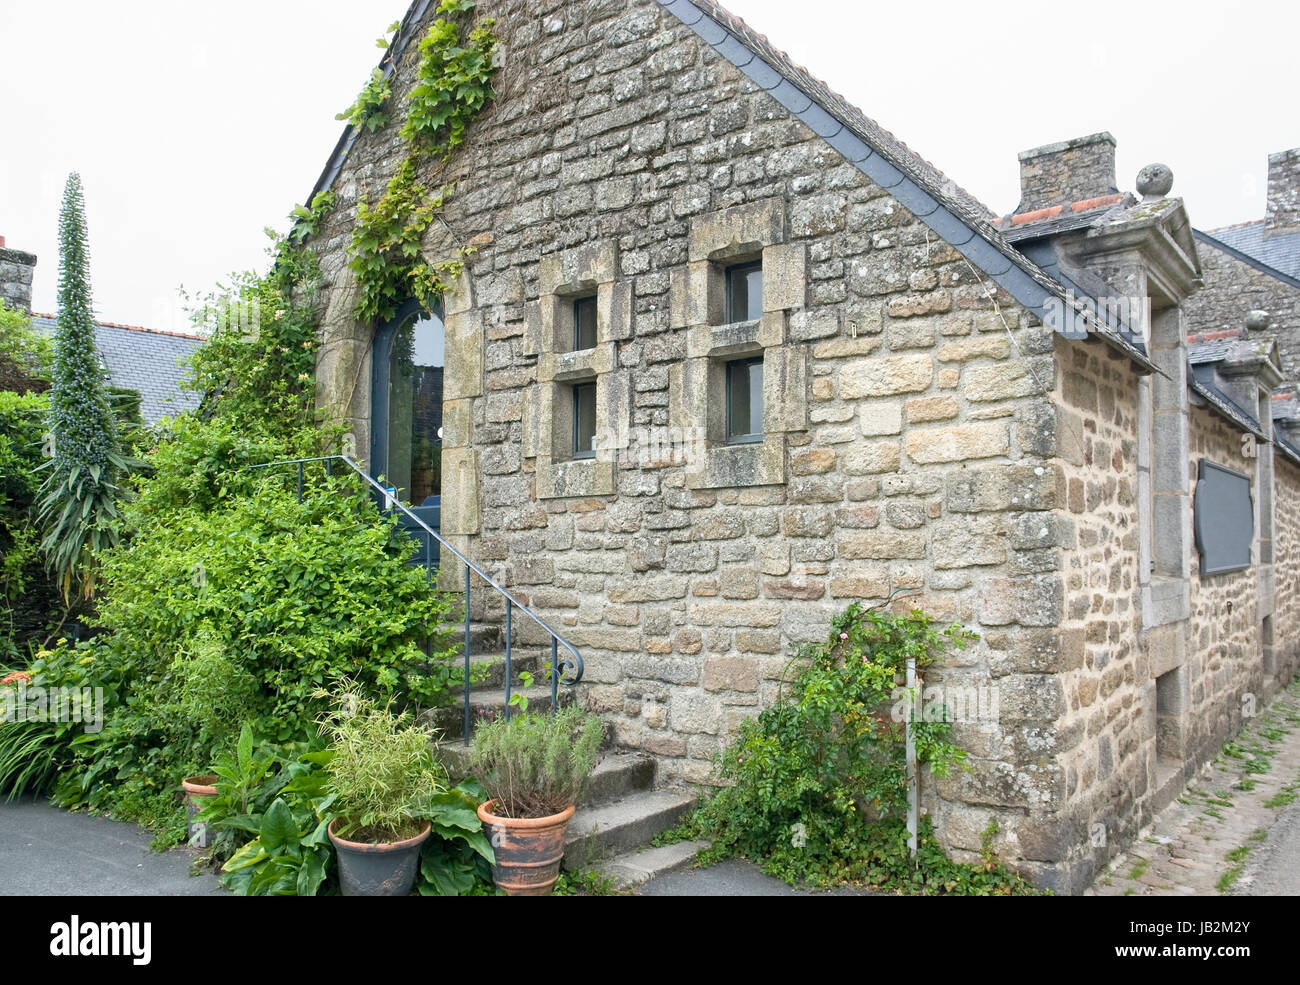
(737, 466)
(574, 477)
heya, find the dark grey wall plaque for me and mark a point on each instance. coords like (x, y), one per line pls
(1225, 518)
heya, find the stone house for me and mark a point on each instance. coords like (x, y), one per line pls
(729, 356)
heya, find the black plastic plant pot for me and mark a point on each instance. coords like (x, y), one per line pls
(377, 869)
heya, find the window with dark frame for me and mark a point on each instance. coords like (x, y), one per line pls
(744, 291)
(745, 401)
(584, 323)
(584, 420)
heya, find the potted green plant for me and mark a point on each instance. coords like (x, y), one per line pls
(383, 775)
(533, 769)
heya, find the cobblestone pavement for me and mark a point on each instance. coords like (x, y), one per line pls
(1231, 829)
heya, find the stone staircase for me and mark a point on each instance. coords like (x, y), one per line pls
(621, 810)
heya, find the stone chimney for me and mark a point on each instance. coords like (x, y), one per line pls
(1069, 171)
(1284, 191)
(16, 269)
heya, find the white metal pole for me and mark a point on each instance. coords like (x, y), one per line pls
(913, 775)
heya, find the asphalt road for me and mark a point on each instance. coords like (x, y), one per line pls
(731, 878)
(45, 851)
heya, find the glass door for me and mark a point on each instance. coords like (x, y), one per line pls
(406, 396)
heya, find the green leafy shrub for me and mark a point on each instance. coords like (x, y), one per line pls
(257, 369)
(241, 613)
(216, 693)
(818, 781)
(298, 594)
(535, 765)
(21, 571)
(382, 770)
(26, 359)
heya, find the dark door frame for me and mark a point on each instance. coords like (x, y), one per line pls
(381, 354)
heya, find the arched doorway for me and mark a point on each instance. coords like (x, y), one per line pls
(406, 408)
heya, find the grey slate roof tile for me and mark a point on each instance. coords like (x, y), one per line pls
(144, 360)
(1279, 250)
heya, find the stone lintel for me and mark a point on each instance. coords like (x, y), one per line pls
(738, 231)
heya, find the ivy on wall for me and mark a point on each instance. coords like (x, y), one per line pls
(454, 82)
(370, 110)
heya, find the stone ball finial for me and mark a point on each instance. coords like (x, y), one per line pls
(1257, 320)
(1155, 180)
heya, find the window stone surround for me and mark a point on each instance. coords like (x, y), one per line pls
(548, 410)
(697, 390)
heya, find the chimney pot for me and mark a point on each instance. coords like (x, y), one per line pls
(1067, 172)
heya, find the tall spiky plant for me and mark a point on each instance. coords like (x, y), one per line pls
(78, 504)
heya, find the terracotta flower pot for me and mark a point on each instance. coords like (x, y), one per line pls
(197, 791)
(385, 868)
(528, 850)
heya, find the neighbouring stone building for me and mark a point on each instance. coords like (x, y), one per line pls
(1255, 267)
(149, 361)
(728, 356)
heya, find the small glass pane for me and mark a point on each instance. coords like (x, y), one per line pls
(415, 371)
(744, 292)
(584, 420)
(745, 400)
(584, 323)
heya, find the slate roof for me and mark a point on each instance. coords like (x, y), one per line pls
(1279, 251)
(1205, 354)
(143, 359)
(1286, 409)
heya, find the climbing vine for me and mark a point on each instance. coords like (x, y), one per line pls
(369, 111)
(454, 82)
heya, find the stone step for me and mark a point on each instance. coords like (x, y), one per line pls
(488, 636)
(611, 829)
(617, 775)
(634, 868)
(450, 721)
(493, 666)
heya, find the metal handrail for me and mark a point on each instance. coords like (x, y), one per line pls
(558, 669)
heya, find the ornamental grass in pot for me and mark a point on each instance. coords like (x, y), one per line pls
(533, 769)
(383, 776)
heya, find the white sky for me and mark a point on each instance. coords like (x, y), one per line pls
(194, 125)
